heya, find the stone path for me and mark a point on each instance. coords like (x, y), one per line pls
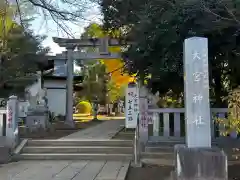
(105, 130)
(64, 170)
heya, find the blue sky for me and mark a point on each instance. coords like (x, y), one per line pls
(52, 30)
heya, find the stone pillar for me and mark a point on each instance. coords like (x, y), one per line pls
(196, 88)
(69, 84)
(110, 108)
(198, 160)
(12, 121)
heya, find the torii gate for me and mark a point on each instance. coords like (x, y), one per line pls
(71, 45)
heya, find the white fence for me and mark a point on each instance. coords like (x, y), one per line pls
(170, 122)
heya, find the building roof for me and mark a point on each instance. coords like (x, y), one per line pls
(60, 78)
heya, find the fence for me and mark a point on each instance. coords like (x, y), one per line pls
(170, 123)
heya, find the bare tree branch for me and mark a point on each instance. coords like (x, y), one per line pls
(231, 17)
(57, 11)
(20, 14)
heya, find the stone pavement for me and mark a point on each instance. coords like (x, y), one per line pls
(64, 170)
(105, 130)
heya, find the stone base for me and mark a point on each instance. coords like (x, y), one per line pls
(5, 154)
(200, 163)
(139, 164)
(71, 124)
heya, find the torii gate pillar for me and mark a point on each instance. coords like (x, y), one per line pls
(69, 84)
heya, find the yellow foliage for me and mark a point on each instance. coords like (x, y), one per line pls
(113, 66)
(84, 107)
(6, 20)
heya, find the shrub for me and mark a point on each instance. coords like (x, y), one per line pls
(84, 107)
(232, 122)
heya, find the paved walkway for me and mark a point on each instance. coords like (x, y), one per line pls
(105, 130)
(64, 170)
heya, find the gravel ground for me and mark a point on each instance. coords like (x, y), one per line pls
(163, 172)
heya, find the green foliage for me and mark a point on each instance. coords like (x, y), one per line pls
(115, 92)
(94, 83)
(94, 30)
(20, 57)
(159, 28)
(170, 102)
(20, 52)
(84, 107)
(117, 14)
(97, 83)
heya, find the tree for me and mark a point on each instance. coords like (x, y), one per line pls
(114, 67)
(118, 14)
(20, 52)
(159, 29)
(94, 83)
(114, 79)
(115, 92)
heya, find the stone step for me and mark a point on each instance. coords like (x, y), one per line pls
(164, 143)
(72, 156)
(157, 161)
(126, 134)
(174, 141)
(170, 161)
(87, 142)
(157, 155)
(159, 149)
(221, 142)
(166, 148)
(78, 149)
(124, 138)
(233, 157)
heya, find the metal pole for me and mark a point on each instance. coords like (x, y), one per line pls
(137, 152)
(135, 148)
(95, 109)
(69, 84)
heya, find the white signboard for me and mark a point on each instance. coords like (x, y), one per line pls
(132, 106)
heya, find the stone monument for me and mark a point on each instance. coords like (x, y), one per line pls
(198, 160)
(37, 115)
